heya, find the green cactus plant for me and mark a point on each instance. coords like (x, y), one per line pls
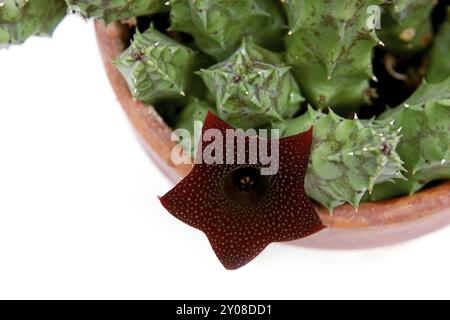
(258, 63)
(112, 10)
(21, 19)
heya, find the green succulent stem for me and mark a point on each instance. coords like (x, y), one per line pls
(113, 10)
(424, 120)
(348, 157)
(253, 87)
(330, 47)
(194, 112)
(219, 26)
(157, 67)
(439, 62)
(21, 19)
(406, 25)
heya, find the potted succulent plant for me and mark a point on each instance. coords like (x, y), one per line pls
(372, 78)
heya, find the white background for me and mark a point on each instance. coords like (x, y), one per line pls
(80, 218)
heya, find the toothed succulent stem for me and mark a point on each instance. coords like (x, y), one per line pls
(330, 47)
(348, 157)
(157, 67)
(406, 25)
(425, 144)
(112, 10)
(21, 19)
(219, 26)
(439, 69)
(253, 88)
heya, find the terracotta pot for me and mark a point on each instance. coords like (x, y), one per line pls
(374, 224)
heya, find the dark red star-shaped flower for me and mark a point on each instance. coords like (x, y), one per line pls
(242, 211)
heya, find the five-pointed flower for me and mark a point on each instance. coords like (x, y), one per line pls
(240, 210)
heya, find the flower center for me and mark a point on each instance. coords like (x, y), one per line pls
(246, 186)
(246, 183)
(246, 179)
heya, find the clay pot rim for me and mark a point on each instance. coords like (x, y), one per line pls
(156, 136)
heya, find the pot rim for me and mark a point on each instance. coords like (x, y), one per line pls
(156, 136)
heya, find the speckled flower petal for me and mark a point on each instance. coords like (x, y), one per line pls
(240, 224)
